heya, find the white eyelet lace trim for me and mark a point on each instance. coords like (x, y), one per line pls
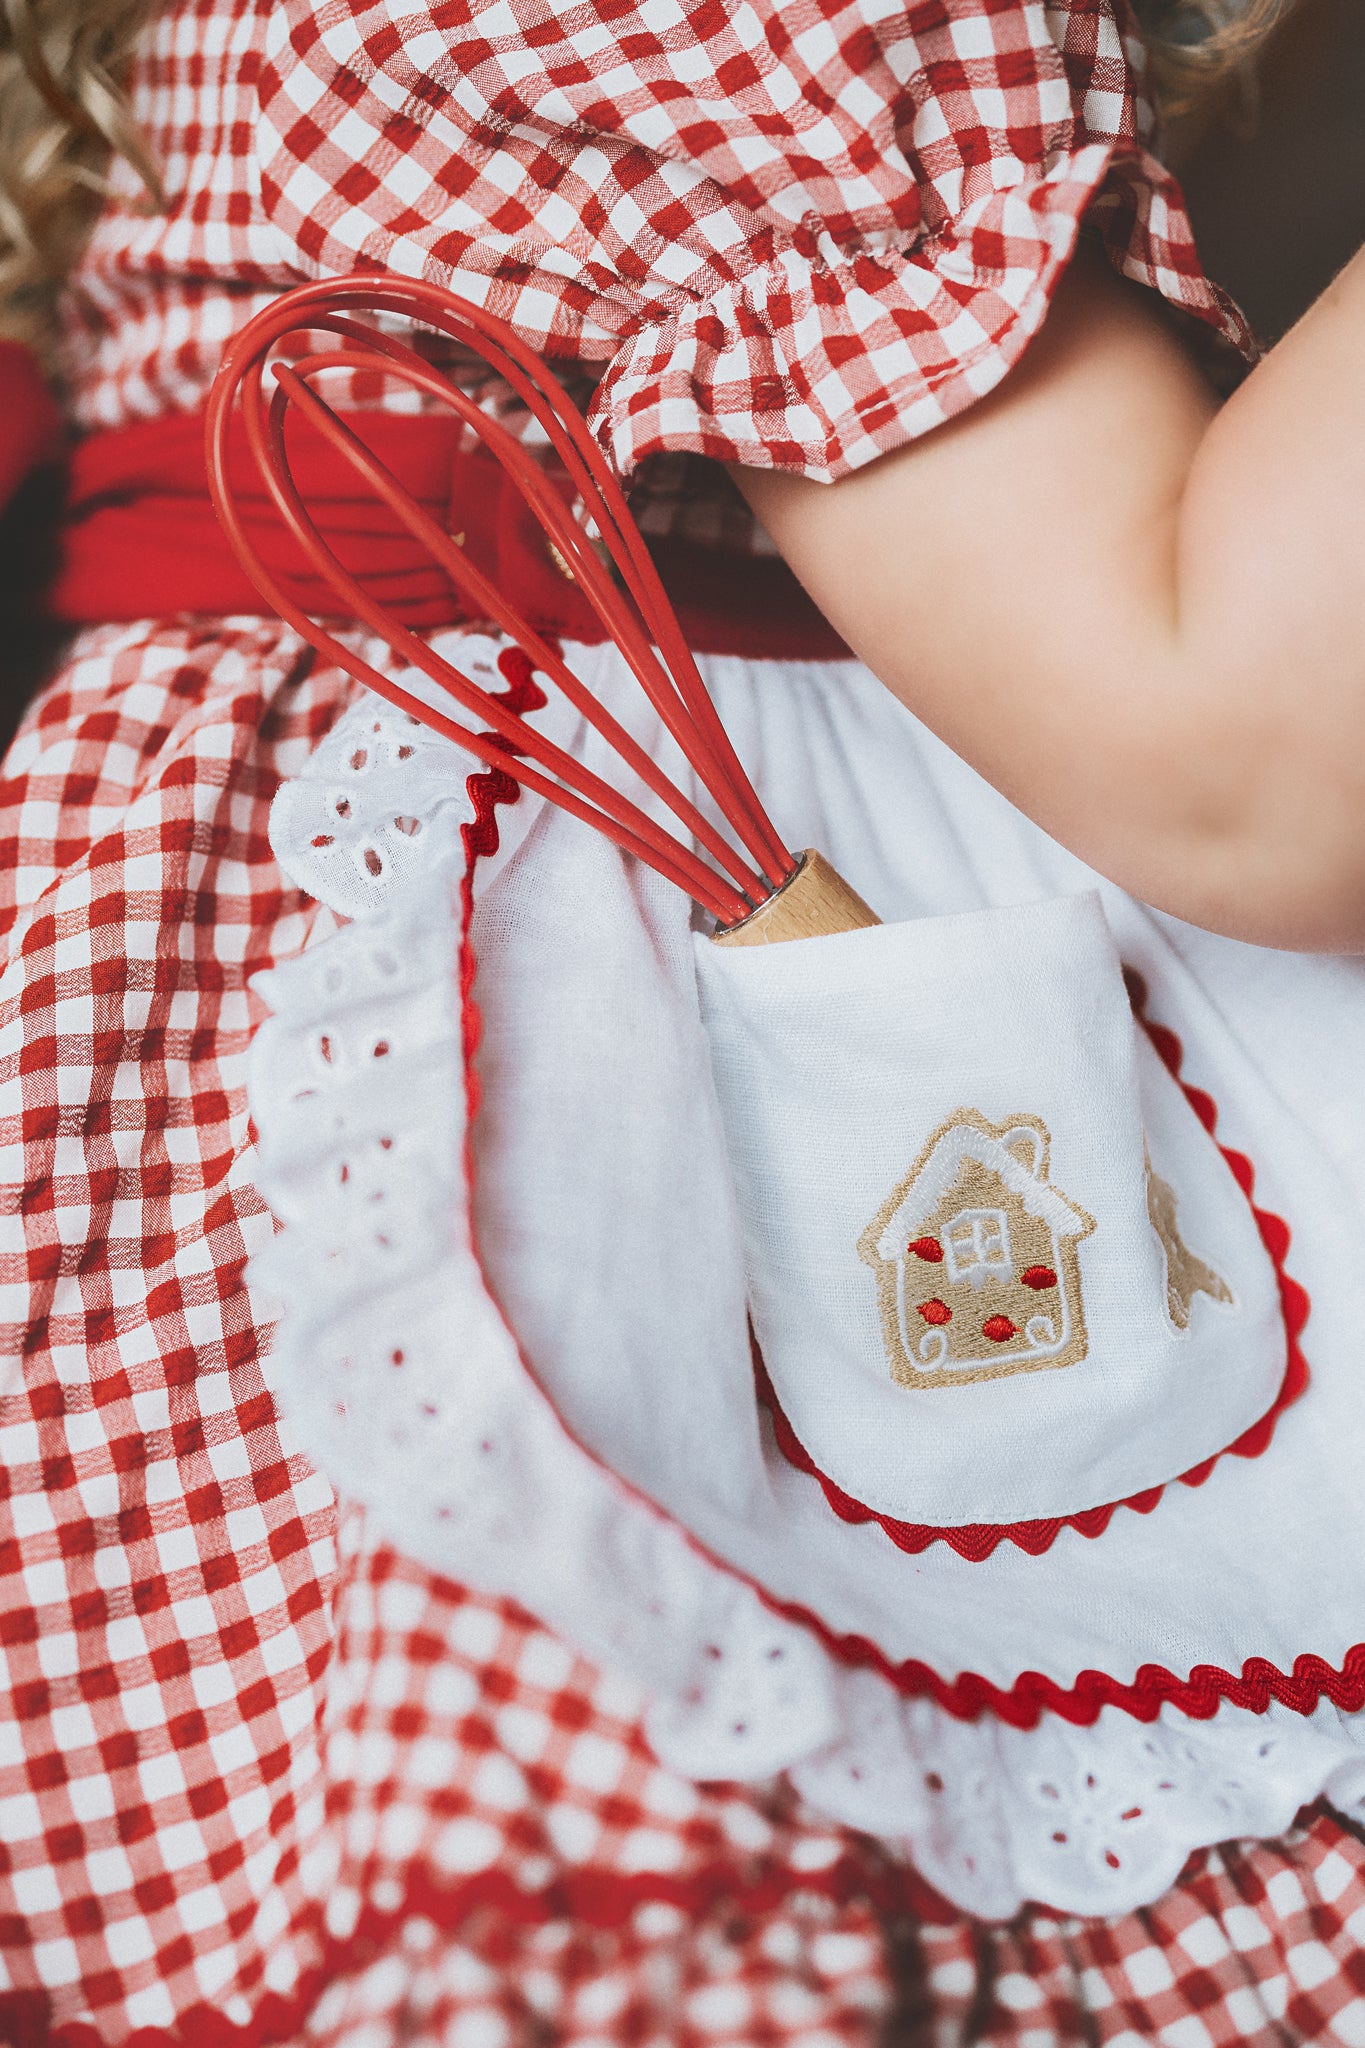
(409, 1390)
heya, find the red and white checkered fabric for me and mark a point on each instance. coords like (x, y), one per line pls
(245, 1798)
(792, 239)
(784, 239)
(155, 297)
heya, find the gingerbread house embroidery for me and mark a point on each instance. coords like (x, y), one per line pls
(976, 1258)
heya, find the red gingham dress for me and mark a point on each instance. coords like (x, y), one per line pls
(262, 1779)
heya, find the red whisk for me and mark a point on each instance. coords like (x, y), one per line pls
(741, 885)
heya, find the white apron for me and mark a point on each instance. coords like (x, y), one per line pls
(1010, 1529)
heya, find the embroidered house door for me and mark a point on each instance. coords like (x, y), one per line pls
(975, 1256)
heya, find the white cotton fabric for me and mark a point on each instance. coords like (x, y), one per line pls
(572, 1419)
(836, 1059)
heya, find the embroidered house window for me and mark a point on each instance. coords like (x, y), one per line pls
(976, 1247)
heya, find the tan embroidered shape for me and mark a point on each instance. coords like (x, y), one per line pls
(1186, 1273)
(975, 1257)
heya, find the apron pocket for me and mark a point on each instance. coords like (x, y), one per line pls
(997, 1268)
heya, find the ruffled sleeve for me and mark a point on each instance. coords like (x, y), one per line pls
(792, 234)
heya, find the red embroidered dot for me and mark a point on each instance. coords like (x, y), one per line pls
(1039, 1277)
(998, 1328)
(935, 1311)
(927, 1248)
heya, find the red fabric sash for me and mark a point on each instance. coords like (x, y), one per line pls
(30, 426)
(140, 540)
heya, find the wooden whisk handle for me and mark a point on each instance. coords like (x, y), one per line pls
(815, 901)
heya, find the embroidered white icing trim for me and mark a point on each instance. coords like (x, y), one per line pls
(407, 1387)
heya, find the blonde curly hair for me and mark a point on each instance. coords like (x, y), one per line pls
(63, 117)
(1201, 49)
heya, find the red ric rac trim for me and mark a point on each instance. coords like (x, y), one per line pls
(977, 1540)
(1023, 1704)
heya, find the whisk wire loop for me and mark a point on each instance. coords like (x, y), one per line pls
(497, 749)
(520, 740)
(491, 748)
(292, 384)
(631, 604)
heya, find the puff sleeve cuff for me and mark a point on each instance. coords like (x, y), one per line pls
(791, 234)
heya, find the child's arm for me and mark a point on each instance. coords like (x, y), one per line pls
(1139, 615)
